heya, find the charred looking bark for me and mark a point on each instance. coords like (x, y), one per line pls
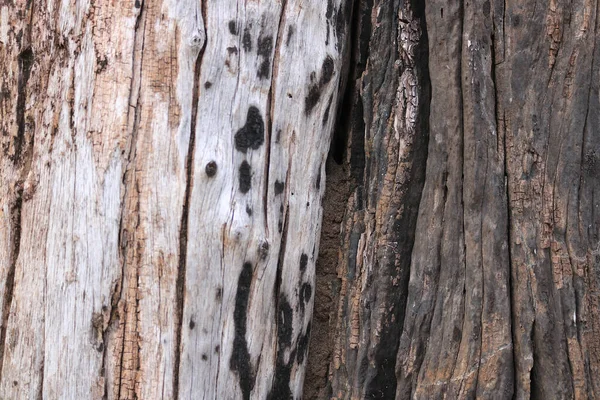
(492, 289)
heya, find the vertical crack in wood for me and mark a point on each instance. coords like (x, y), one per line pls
(271, 110)
(277, 294)
(183, 229)
(22, 158)
(118, 314)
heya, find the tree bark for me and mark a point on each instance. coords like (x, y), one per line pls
(162, 175)
(162, 187)
(491, 290)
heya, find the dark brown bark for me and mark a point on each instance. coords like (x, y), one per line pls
(491, 290)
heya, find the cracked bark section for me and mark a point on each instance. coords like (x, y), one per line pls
(183, 233)
(502, 295)
(388, 98)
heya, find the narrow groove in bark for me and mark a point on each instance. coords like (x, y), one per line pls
(125, 240)
(183, 230)
(22, 158)
(271, 111)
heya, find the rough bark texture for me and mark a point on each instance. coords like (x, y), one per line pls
(163, 165)
(492, 290)
(162, 171)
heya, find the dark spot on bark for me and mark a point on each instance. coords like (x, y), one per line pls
(305, 295)
(281, 382)
(219, 294)
(327, 110)
(240, 357)
(278, 136)
(290, 33)
(204, 357)
(591, 163)
(211, 169)
(265, 47)
(207, 85)
(25, 61)
(327, 70)
(313, 97)
(486, 8)
(314, 91)
(305, 292)
(263, 250)
(281, 208)
(252, 134)
(15, 383)
(138, 4)
(101, 63)
(247, 40)
(245, 177)
(329, 12)
(100, 348)
(456, 335)
(303, 262)
(248, 210)
(280, 226)
(217, 348)
(192, 324)
(318, 182)
(308, 204)
(279, 186)
(232, 50)
(232, 27)
(302, 346)
(516, 20)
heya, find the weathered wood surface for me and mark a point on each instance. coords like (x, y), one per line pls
(161, 183)
(493, 292)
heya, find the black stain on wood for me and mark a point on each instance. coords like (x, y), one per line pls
(211, 169)
(279, 186)
(217, 348)
(245, 177)
(290, 33)
(204, 357)
(207, 85)
(311, 100)
(248, 210)
(247, 40)
(263, 250)
(232, 27)
(25, 61)
(327, 70)
(192, 324)
(232, 50)
(303, 262)
(219, 294)
(318, 182)
(302, 346)
(327, 111)
(315, 89)
(281, 382)
(305, 295)
(265, 48)
(252, 134)
(240, 357)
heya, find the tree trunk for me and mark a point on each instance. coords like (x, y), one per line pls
(162, 186)
(485, 284)
(162, 174)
